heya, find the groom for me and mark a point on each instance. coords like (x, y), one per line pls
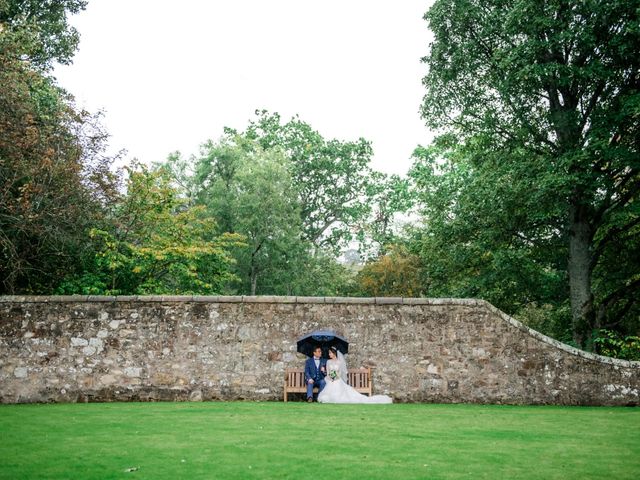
(315, 369)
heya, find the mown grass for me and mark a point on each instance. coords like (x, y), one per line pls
(242, 440)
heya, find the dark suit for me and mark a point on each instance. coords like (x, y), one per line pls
(311, 372)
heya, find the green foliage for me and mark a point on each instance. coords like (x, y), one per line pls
(54, 178)
(305, 272)
(553, 320)
(390, 198)
(298, 199)
(181, 172)
(250, 191)
(156, 245)
(612, 344)
(397, 273)
(40, 29)
(482, 236)
(336, 187)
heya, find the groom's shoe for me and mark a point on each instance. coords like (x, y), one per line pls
(310, 399)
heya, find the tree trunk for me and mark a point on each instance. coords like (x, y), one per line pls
(579, 267)
(253, 274)
(254, 279)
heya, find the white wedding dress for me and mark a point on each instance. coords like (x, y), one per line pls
(337, 390)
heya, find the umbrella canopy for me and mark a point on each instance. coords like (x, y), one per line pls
(323, 339)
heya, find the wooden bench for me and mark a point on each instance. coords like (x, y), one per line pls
(358, 378)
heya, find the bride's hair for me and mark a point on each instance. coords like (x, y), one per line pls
(334, 350)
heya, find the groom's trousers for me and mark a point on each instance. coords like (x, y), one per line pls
(316, 383)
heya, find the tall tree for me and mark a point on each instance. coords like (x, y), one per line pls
(333, 178)
(249, 191)
(54, 182)
(552, 84)
(485, 235)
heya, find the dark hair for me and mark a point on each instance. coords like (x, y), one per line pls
(334, 350)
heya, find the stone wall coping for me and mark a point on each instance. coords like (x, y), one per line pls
(238, 299)
(323, 300)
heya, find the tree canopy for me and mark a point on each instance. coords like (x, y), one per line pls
(54, 182)
(39, 30)
(153, 243)
(252, 194)
(333, 178)
(540, 100)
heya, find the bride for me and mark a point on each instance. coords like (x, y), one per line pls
(337, 390)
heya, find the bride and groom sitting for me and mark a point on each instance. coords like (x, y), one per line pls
(330, 376)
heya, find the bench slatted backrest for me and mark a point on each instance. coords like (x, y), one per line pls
(360, 379)
(295, 378)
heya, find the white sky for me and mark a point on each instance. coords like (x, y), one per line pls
(170, 75)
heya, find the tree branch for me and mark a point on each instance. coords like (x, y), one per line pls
(619, 294)
(611, 235)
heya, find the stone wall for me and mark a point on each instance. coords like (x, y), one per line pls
(68, 349)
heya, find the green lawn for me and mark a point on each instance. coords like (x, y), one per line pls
(296, 440)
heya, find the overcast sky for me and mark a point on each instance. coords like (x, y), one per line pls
(169, 75)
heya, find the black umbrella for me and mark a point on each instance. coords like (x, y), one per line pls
(323, 339)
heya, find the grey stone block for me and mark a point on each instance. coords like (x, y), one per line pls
(260, 299)
(126, 298)
(416, 301)
(359, 300)
(286, 299)
(101, 298)
(150, 298)
(340, 300)
(310, 300)
(206, 298)
(177, 298)
(230, 299)
(388, 300)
